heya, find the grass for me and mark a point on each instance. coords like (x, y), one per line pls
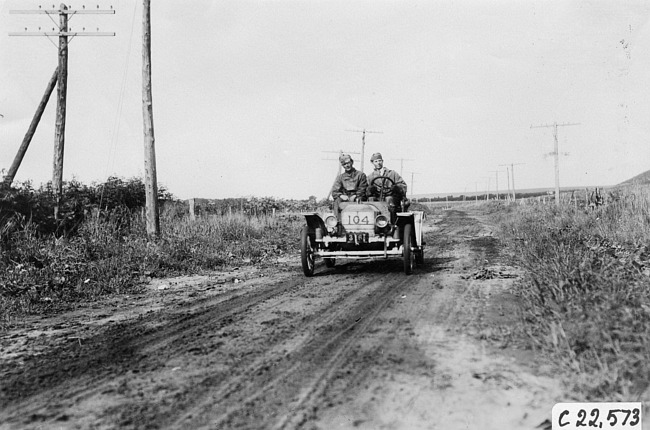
(586, 292)
(110, 254)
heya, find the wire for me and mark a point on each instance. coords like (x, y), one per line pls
(120, 105)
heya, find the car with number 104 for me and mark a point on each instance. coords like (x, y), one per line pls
(366, 231)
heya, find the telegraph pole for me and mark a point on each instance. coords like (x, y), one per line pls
(401, 164)
(508, 178)
(11, 173)
(63, 32)
(497, 183)
(512, 169)
(61, 106)
(150, 177)
(512, 172)
(412, 181)
(509, 168)
(363, 142)
(556, 154)
(487, 193)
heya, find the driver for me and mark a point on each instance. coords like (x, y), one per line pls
(349, 186)
(396, 193)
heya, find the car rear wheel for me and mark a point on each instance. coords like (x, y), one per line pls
(306, 252)
(409, 255)
(330, 262)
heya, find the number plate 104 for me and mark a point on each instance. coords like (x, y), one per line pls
(610, 416)
(364, 218)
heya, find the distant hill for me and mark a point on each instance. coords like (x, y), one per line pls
(640, 179)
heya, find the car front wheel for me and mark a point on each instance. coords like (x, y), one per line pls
(306, 252)
(409, 255)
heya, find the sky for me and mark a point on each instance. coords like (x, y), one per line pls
(255, 98)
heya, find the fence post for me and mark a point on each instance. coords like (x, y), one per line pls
(192, 209)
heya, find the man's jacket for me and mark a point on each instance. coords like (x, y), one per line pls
(351, 184)
(391, 174)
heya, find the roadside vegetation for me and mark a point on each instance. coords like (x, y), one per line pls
(99, 246)
(586, 290)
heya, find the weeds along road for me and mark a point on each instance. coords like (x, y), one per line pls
(357, 346)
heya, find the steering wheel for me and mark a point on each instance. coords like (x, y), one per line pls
(385, 187)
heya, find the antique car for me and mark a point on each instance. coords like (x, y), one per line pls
(366, 231)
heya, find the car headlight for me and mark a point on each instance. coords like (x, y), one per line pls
(381, 221)
(331, 221)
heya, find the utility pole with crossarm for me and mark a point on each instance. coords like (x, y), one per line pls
(556, 154)
(496, 172)
(512, 173)
(63, 32)
(363, 142)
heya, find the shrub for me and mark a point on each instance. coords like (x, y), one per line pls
(110, 253)
(23, 203)
(587, 291)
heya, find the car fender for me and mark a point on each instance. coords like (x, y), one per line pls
(416, 218)
(314, 221)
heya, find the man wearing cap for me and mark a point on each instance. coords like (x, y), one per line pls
(397, 191)
(350, 185)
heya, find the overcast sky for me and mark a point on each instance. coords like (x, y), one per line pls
(253, 97)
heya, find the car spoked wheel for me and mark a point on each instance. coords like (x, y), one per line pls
(306, 252)
(409, 255)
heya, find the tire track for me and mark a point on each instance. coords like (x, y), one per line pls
(273, 367)
(108, 354)
(309, 398)
(307, 370)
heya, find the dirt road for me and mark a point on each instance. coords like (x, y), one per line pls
(357, 346)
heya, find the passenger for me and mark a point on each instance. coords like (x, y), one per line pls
(349, 186)
(395, 196)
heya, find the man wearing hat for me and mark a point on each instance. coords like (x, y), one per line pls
(397, 192)
(349, 186)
